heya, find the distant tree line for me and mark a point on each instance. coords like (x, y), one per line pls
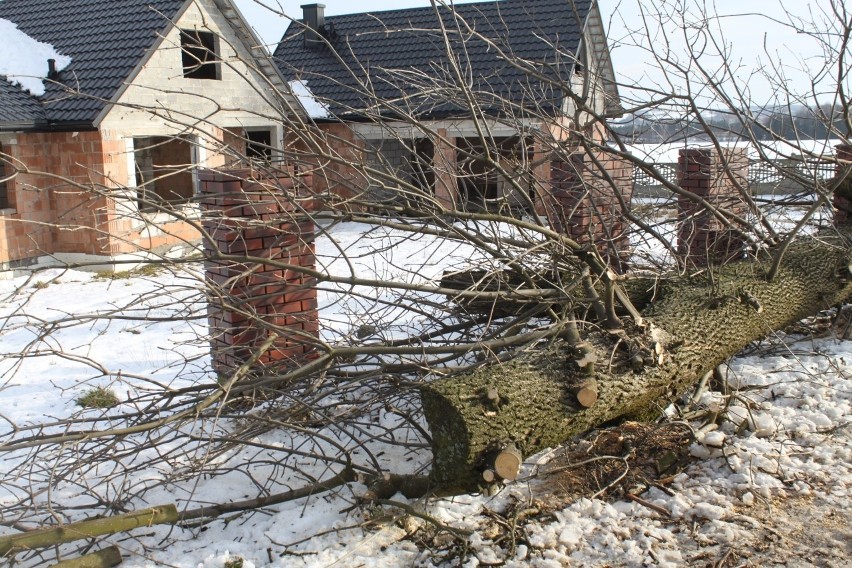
(765, 123)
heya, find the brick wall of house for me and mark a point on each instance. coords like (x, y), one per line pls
(579, 197)
(19, 242)
(335, 181)
(584, 201)
(702, 238)
(251, 299)
(75, 200)
(49, 210)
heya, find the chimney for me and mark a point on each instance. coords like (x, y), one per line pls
(313, 17)
(51, 69)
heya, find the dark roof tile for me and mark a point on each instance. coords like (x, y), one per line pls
(401, 55)
(18, 106)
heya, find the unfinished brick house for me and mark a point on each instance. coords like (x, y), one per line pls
(384, 88)
(101, 168)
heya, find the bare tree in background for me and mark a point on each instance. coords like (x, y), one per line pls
(507, 334)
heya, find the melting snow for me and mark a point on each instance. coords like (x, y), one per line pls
(23, 60)
(314, 107)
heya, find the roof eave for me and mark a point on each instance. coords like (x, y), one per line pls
(613, 99)
(267, 65)
(39, 126)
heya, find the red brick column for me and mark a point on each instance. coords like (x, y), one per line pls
(584, 202)
(446, 171)
(842, 205)
(250, 299)
(702, 238)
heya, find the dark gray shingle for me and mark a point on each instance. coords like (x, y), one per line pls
(17, 106)
(401, 55)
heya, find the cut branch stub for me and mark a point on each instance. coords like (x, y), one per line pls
(586, 358)
(493, 396)
(508, 462)
(586, 393)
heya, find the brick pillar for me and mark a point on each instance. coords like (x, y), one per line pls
(842, 205)
(702, 238)
(446, 170)
(541, 177)
(584, 204)
(249, 300)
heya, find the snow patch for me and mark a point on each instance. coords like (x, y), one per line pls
(314, 107)
(23, 60)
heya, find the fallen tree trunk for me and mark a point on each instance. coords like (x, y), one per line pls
(697, 324)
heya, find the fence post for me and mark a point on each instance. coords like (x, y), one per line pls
(254, 219)
(702, 238)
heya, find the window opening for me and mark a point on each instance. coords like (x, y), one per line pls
(422, 161)
(259, 145)
(484, 187)
(199, 54)
(164, 172)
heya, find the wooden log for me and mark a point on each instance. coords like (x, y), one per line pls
(508, 462)
(537, 408)
(106, 558)
(586, 393)
(42, 538)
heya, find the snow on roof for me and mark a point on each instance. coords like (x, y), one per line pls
(23, 60)
(314, 107)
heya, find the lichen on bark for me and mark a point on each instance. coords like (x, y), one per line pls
(708, 319)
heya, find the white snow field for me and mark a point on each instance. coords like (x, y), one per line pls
(769, 486)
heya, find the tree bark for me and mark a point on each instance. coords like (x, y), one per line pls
(695, 324)
(106, 558)
(42, 538)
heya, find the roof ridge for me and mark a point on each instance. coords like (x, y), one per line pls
(419, 8)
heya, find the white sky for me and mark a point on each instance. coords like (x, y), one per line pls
(756, 42)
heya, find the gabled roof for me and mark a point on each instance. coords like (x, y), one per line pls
(106, 40)
(401, 56)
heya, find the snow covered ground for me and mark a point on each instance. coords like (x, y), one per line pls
(770, 485)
